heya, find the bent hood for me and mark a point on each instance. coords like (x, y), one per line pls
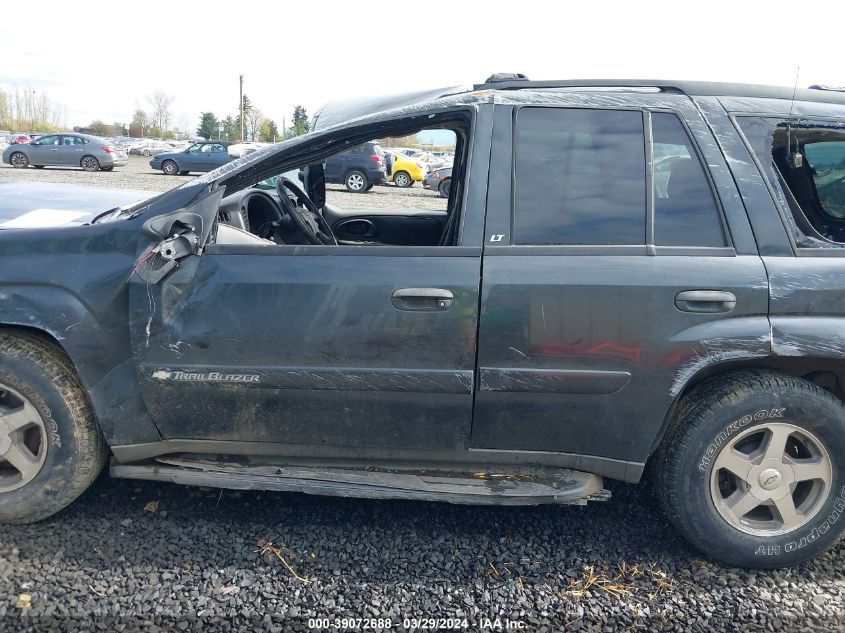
(30, 205)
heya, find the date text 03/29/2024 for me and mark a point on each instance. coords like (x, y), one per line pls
(416, 624)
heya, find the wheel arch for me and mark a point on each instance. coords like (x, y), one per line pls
(824, 371)
(100, 355)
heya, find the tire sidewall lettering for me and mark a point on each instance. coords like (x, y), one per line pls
(716, 444)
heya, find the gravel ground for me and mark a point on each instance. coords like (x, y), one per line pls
(150, 557)
(142, 556)
(139, 175)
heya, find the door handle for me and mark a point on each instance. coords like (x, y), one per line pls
(705, 301)
(422, 299)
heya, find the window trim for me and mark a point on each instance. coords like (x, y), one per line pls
(649, 248)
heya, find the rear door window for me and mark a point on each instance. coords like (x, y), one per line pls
(579, 177)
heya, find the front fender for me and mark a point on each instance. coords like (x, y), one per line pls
(98, 348)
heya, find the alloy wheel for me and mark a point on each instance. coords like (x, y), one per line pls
(355, 181)
(23, 440)
(771, 479)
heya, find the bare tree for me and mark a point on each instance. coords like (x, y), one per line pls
(161, 102)
(30, 109)
(253, 120)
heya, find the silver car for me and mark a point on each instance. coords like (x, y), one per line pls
(73, 150)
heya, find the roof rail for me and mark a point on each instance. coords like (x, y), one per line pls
(684, 87)
(509, 81)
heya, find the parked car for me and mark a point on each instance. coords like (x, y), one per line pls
(694, 335)
(202, 156)
(239, 149)
(439, 180)
(151, 147)
(359, 168)
(74, 150)
(20, 139)
(405, 171)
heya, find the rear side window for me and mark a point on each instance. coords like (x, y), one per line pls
(685, 211)
(807, 167)
(827, 166)
(579, 177)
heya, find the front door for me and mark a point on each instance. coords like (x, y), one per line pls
(609, 281)
(358, 347)
(45, 151)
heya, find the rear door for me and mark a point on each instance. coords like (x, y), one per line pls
(615, 269)
(71, 150)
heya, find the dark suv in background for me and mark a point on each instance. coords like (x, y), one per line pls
(359, 168)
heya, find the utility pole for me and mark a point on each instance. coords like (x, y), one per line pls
(242, 107)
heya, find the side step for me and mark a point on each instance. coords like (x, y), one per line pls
(500, 487)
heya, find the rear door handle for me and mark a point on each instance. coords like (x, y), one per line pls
(705, 301)
(422, 299)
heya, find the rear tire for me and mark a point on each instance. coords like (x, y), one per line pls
(356, 181)
(89, 163)
(170, 167)
(402, 179)
(56, 434)
(753, 473)
(19, 160)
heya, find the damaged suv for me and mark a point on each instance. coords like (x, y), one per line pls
(628, 278)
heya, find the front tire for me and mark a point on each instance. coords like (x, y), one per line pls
(89, 163)
(19, 160)
(356, 181)
(444, 188)
(170, 168)
(753, 472)
(51, 448)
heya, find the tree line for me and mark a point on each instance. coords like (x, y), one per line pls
(256, 127)
(31, 110)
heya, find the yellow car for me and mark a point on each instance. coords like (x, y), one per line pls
(406, 171)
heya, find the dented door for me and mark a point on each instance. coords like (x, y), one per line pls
(322, 346)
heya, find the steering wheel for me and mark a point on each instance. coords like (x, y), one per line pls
(309, 221)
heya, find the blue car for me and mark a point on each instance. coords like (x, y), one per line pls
(202, 156)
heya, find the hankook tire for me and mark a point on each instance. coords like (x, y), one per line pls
(753, 469)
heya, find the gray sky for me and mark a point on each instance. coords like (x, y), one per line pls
(101, 59)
